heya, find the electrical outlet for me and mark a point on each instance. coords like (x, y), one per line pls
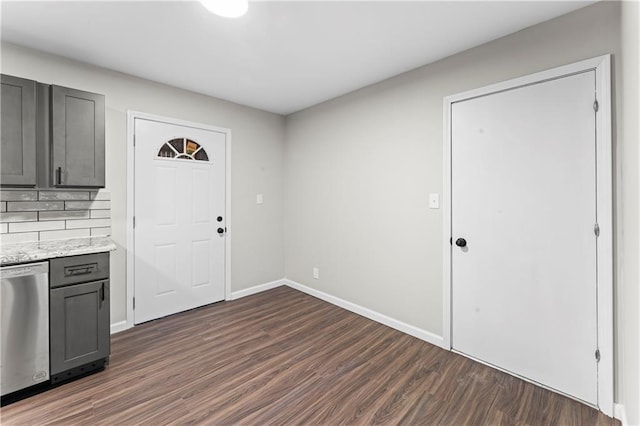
(316, 273)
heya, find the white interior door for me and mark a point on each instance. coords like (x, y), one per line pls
(179, 218)
(524, 288)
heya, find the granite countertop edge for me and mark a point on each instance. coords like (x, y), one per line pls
(16, 253)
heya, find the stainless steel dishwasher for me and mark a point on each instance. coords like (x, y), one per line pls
(24, 310)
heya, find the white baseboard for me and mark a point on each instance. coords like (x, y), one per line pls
(256, 289)
(360, 310)
(427, 336)
(620, 414)
(117, 327)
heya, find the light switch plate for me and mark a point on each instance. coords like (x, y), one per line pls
(259, 199)
(434, 201)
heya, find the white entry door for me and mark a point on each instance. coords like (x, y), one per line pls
(179, 226)
(524, 277)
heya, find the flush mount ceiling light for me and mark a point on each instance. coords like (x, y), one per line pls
(226, 8)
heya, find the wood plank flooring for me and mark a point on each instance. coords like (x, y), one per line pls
(282, 357)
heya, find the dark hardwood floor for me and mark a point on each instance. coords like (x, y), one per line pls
(283, 357)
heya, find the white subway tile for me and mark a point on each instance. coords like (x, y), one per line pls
(63, 195)
(31, 206)
(36, 226)
(85, 205)
(88, 223)
(101, 195)
(19, 217)
(30, 215)
(23, 237)
(18, 195)
(100, 232)
(64, 214)
(64, 234)
(100, 214)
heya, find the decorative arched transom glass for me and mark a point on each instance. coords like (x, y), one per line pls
(183, 148)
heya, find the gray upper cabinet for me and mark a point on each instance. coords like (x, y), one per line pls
(18, 135)
(52, 136)
(77, 138)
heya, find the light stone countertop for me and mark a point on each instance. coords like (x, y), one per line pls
(42, 250)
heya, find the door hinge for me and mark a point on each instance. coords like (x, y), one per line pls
(596, 230)
(134, 303)
(134, 140)
(597, 355)
(596, 105)
(134, 221)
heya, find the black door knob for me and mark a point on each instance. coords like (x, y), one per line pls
(220, 231)
(219, 219)
(461, 242)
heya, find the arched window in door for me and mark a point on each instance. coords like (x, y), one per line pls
(183, 149)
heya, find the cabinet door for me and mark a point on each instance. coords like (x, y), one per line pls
(18, 134)
(77, 122)
(79, 325)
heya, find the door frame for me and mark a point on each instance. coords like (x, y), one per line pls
(604, 209)
(131, 117)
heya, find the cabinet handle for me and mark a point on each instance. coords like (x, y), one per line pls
(80, 269)
(59, 176)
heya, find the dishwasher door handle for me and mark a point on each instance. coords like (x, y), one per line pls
(24, 270)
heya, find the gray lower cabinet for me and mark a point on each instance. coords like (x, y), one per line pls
(18, 134)
(77, 138)
(79, 315)
(79, 325)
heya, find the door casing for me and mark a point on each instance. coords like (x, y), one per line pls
(602, 67)
(131, 116)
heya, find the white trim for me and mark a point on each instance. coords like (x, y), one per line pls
(117, 327)
(419, 333)
(227, 218)
(620, 414)
(604, 213)
(446, 227)
(131, 116)
(129, 225)
(602, 67)
(256, 289)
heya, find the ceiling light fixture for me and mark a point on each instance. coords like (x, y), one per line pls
(226, 8)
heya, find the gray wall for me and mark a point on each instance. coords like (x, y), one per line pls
(359, 168)
(629, 217)
(256, 162)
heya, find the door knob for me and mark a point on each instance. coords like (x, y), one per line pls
(219, 219)
(220, 231)
(461, 242)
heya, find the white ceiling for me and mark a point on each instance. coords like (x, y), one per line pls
(281, 56)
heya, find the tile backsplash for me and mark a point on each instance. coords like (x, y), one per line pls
(42, 215)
